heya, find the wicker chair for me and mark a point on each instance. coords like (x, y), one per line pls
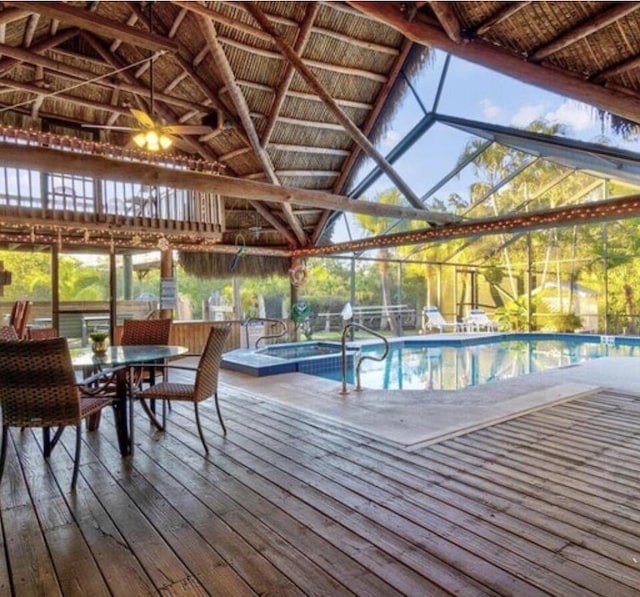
(42, 333)
(8, 333)
(39, 389)
(20, 316)
(205, 386)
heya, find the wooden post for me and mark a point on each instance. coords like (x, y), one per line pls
(166, 271)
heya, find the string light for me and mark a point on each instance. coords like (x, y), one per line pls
(32, 137)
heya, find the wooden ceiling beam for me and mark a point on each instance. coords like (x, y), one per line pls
(133, 18)
(283, 87)
(336, 68)
(99, 25)
(10, 15)
(242, 109)
(589, 27)
(310, 149)
(506, 10)
(73, 99)
(448, 20)
(617, 69)
(7, 64)
(45, 159)
(346, 122)
(218, 17)
(586, 213)
(373, 116)
(489, 56)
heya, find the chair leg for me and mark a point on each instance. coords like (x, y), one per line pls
(152, 415)
(3, 450)
(50, 444)
(224, 428)
(204, 443)
(46, 440)
(164, 413)
(76, 464)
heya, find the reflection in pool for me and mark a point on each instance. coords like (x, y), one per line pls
(422, 364)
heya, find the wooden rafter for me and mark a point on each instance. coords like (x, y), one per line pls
(46, 44)
(374, 114)
(98, 24)
(242, 109)
(283, 87)
(348, 124)
(587, 28)
(505, 11)
(448, 20)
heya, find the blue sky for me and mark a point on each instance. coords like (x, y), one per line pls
(476, 93)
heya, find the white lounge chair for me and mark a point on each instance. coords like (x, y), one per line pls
(432, 318)
(478, 320)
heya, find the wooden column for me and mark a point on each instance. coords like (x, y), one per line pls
(166, 271)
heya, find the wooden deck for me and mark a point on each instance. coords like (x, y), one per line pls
(288, 504)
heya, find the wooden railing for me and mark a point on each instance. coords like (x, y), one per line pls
(370, 315)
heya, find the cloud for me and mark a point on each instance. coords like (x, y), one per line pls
(491, 112)
(391, 138)
(527, 114)
(575, 115)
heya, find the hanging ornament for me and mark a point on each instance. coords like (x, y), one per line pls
(298, 274)
(242, 249)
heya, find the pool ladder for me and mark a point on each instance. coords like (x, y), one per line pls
(282, 324)
(360, 358)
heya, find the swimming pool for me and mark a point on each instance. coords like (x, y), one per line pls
(315, 358)
(457, 364)
(442, 364)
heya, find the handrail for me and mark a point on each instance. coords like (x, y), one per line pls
(346, 328)
(265, 337)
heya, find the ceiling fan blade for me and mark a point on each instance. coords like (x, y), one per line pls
(183, 145)
(186, 129)
(108, 128)
(143, 118)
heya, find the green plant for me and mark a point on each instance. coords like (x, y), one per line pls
(98, 335)
(564, 322)
(514, 313)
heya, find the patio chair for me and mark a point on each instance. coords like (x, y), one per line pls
(205, 385)
(39, 389)
(432, 318)
(20, 316)
(478, 320)
(8, 333)
(42, 333)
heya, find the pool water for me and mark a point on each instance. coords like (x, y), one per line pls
(300, 351)
(427, 365)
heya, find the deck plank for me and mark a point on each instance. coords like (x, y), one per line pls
(289, 503)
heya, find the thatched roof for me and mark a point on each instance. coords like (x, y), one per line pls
(293, 92)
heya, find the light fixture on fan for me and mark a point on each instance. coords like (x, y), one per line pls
(152, 140)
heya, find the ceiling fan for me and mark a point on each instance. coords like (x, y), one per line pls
(153, 136)
(149, 134)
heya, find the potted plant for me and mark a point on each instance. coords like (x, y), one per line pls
(99, 341)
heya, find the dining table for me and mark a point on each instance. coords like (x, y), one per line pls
(121, 360)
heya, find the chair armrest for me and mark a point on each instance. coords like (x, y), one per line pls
(164, 366)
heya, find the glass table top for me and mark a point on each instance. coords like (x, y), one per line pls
(124, 355)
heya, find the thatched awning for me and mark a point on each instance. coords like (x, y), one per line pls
(219, 265)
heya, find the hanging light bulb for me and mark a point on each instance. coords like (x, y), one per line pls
(140, 139)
